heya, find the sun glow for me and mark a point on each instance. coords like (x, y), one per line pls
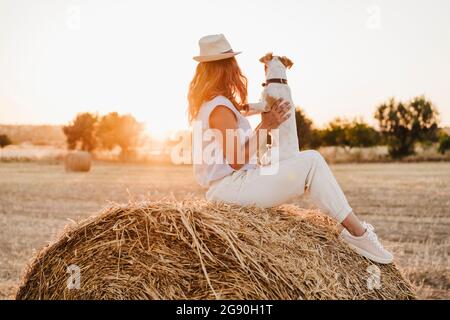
(160, 133)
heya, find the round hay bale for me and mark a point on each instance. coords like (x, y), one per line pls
(78, 161)
(196, 250)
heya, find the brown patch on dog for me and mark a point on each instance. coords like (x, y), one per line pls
(286, 61)
(268, 57)
(270, 101)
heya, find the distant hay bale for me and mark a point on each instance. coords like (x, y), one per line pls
(78, 161)
(195, 250)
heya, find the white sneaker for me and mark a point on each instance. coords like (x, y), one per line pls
(368, 245)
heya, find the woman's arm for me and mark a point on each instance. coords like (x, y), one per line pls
(223, 119)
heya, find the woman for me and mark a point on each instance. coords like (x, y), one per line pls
(217, 94)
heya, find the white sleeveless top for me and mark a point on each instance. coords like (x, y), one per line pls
(205, 172)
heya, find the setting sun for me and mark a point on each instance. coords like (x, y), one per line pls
(157, 132)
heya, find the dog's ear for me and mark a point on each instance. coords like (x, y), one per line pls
(287, 62)
(268, 57)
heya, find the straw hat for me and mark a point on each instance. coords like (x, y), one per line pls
(214, 47)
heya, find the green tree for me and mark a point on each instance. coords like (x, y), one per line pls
(4, 140)
(359, 134)
(335, 133)
(119, 130)
(444, 143)
(81, 131)
(308, 136)
(404, 124)
(304, 129)
(349, 134)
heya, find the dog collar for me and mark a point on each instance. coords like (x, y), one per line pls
(276, 80)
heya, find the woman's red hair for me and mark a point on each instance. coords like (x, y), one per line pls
(217, 78)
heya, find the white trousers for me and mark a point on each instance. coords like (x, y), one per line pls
(306, 172)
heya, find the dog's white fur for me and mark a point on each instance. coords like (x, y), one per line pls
(285, 145)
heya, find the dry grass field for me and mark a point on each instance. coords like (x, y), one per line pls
(409, 204)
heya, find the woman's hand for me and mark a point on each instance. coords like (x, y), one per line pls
(278, 114)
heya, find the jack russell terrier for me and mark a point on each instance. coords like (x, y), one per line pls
(285, 143)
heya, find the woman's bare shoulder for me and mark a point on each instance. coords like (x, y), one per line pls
(222, 116)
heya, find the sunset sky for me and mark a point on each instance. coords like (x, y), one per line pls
(61, 57)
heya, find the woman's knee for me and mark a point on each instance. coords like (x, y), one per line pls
(312, 154)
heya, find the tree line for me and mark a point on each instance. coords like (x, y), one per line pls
(401, 126)
(89, 132)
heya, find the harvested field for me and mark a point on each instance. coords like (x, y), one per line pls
(408, 204)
